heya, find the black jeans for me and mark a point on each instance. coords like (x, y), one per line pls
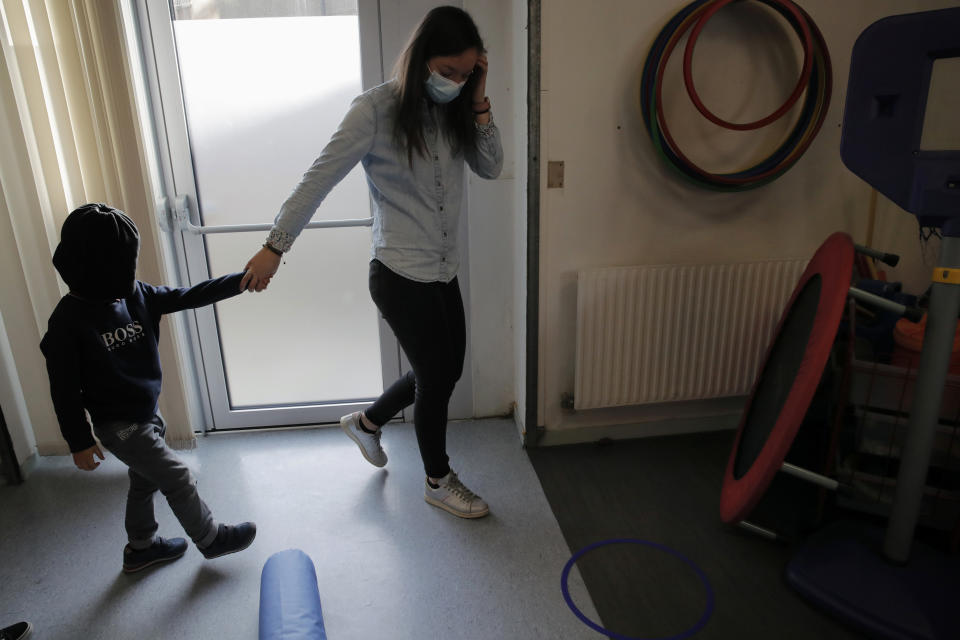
(428, 320)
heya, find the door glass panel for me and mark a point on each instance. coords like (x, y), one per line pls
(263, 93)
(312, 336)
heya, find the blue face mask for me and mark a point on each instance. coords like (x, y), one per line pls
(442, 90)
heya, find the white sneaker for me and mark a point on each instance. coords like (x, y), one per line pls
(454, 497)
(369, 443)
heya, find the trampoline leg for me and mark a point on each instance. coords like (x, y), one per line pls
(928, 396)
(758, 530)
(913, 314)
(810, 476)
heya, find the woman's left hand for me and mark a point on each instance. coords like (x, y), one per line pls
(480, 88)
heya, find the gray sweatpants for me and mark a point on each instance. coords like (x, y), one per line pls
(152, 466)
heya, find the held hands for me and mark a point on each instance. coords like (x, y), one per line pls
(248, 275)
(259, 270)
(85, 459)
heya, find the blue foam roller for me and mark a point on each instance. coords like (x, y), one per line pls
(289, 598)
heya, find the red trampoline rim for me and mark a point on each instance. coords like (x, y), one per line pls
(833, 262)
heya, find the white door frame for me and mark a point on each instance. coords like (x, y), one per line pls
(179, 185)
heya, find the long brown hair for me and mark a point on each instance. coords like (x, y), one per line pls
(444, 31)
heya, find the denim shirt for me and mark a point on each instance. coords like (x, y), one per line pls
(416, 210)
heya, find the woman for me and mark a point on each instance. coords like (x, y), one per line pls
(413, 136)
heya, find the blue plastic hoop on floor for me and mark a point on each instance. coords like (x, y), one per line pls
(612, 634)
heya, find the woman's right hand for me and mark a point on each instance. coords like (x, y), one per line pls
(261, 267)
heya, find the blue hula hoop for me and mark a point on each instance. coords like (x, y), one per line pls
(564, 587)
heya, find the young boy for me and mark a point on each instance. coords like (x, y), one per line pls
(102, 357)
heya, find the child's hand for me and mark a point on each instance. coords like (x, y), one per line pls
(85, 459)
(243, 282)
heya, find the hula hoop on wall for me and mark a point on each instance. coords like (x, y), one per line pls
(815, 81)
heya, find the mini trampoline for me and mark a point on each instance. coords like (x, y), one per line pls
(789, 377)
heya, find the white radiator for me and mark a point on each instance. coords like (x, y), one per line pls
(676, 332)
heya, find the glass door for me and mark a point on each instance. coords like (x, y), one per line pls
(250, 93)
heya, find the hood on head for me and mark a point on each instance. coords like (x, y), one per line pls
(97, 254)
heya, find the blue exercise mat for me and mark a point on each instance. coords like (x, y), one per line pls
(289, 598)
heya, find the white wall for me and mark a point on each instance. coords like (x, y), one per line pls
(491, 223)
(519, 33)
(622, 206)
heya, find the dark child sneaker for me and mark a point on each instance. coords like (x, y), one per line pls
(162, 550)
(230, 539)
(16, 631)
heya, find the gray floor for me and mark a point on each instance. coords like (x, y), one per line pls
(389, 565)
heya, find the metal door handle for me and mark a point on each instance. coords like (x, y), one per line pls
(182, 214)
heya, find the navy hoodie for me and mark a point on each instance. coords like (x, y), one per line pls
(101, 340)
